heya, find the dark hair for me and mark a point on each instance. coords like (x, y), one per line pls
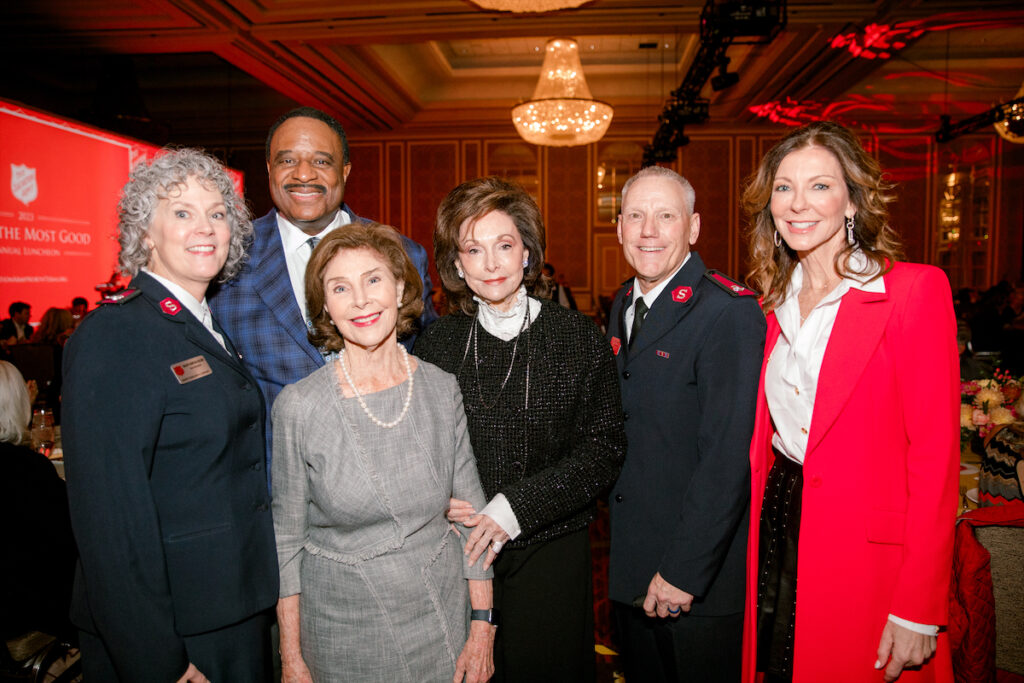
(772, 267)
(79, 301)
(311, 113)
(16, 308)
(471, 201)
(382, 239)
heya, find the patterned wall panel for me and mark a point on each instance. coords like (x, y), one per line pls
(364, 190)
(395, 192)
(905, 161)
(471, 160)
(707, 164)
(611, 266)
(432, 173)
(569, 189)
(745, 162)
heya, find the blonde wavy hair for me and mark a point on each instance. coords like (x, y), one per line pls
(772, 267)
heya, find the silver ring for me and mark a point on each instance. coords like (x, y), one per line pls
(496, 546)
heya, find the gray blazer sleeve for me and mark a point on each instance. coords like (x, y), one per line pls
(291, 489)
(466, 481)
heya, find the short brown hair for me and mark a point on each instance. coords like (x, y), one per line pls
(382, 239)
(471, 201)
(772, 267)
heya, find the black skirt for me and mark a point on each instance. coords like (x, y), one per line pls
(776, 586)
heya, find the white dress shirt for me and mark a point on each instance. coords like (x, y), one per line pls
(649, 298)
(297, 253)
(791, 378)
(199, 309)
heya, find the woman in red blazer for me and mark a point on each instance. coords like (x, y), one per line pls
(854, 458)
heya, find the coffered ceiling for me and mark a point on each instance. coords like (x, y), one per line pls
(196, 71)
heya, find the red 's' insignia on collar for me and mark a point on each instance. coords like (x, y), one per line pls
(170, 306)
(629, 292)
(616, 345)
(681, 294)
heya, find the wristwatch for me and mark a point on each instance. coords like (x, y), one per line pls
(491, 616)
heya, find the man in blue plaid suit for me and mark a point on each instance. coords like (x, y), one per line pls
(263, 309)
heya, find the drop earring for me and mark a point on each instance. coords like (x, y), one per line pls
(850, 239)
(778, 239)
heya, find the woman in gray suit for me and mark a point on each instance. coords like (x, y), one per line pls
(367, 451)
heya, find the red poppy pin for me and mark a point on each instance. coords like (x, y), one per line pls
(170, 306)
(681, 294)
(616, 345)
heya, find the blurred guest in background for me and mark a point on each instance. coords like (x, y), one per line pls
(163, 443)
(856, 443)
(36, 577)
(54, 328)
(367, 452)
(560, 292)
(79, 307)
(16, 328)
(545, 421)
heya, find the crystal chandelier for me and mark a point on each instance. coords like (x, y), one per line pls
(528, 5)
(562, 112)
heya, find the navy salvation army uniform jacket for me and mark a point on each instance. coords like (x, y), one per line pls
(163, 440)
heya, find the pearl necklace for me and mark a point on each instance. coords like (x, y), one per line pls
(362, 403)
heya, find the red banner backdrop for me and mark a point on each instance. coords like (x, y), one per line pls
(60, 182)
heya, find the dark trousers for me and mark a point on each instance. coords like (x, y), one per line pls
(240, 652)
(546, 598)
(683, 648)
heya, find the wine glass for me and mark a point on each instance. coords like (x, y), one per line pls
(42, 431)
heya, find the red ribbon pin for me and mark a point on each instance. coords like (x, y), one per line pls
(616, 345)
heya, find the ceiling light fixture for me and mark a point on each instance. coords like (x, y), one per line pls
(562, 112)
(528, 5)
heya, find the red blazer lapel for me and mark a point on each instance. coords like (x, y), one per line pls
(856, 334)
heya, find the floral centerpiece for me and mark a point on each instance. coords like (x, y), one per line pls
(986, 404)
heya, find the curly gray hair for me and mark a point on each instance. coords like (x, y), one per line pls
(150, 181)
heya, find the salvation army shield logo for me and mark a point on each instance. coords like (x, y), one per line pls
(23, 184)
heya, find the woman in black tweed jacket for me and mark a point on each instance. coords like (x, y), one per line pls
(545, 420)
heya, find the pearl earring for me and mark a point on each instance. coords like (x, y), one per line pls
(526, 262)
(462, 276)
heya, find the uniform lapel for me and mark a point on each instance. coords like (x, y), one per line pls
(672, 305)
(274, 287)
(173, 311)
(858, 330)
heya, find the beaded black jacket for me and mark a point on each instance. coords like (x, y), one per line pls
(554, 452)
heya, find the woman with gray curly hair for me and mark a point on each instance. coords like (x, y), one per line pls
(163, 443)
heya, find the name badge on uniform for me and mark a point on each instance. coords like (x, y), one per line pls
(190, 370)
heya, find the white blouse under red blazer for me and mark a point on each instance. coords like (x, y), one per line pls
(880, 481)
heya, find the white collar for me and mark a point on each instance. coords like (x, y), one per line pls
(652, 294)
(194, 306)
(506, 325)
(293, 238)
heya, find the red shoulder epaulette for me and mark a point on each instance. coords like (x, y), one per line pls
(121, 297)
(728, 284)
